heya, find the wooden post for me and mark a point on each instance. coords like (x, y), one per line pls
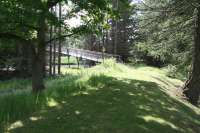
(103, 43)
(77, 58)
(103, 51)
(68, 57)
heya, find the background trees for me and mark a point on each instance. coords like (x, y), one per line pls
(27, 21)
(166, 33)
(119, 32)
(157, 32)
(170, 33)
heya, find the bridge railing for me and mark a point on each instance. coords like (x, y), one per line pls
(87, 54)
(97, 56)
(92, 52)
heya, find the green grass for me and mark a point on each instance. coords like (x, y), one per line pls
(14, 84)
(108, 98)
(72, 60)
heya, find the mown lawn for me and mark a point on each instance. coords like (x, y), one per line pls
(109, 98)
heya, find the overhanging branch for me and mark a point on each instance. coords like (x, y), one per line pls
(60, 37)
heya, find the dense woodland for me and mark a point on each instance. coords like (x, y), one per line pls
(163, 34)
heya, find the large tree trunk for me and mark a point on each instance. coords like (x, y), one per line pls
(38, 58)
(37, 74)
(192, 86)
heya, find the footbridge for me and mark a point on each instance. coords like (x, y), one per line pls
(87, 54)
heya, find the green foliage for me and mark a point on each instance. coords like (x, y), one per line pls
(166, 36)
(72, 60)
(179, 72)
(14, 84)
(28, 22)
(7, 53)
(16, 16)
(171, 71)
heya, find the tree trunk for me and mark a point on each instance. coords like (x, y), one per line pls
(38, 59)
(114, 29)
(59, 43)
(50, 49)
(192, 86)
(54, 54)
(50, 54)
(54, 46)
(37, 74)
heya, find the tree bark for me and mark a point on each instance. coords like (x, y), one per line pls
(59, 43)
(37, 74)
(38, 59)
(54, 54)
(50, 49)
(192, 86)
(114, 29)
(54, 47)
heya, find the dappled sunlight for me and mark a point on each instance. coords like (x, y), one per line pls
(35, 118)
(172, 109)
(159, 120)
(100, 66)
(77, 112)
(52, 103)
(126, 104)
(112, 101)
(63, 102)
(131, 94)
(15, 125)
(80, 93)
(145, 107)
(116, 90)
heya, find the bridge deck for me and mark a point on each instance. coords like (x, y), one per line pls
(87, 54)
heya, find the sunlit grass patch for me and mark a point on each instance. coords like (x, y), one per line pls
(109, 97)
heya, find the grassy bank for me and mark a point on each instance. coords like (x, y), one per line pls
(108, 98)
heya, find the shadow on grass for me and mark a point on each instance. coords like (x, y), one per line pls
(21, 102)
(109, 105)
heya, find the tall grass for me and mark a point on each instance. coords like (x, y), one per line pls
(22, 102)
(18, 105)
(15, 84)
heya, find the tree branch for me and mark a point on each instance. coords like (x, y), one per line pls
(60, 37)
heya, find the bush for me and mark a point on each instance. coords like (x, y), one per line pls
(171, 71)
